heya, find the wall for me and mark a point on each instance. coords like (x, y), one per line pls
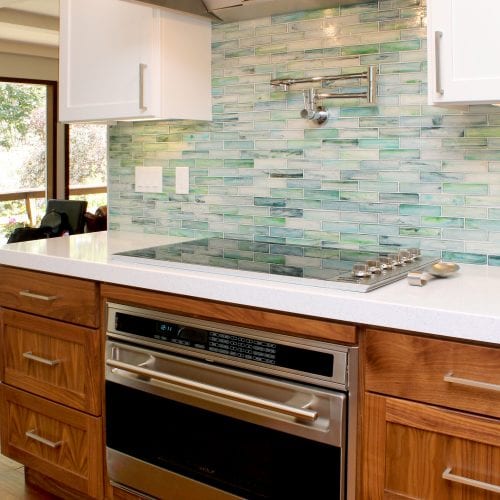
(28, 67)
(397, 173)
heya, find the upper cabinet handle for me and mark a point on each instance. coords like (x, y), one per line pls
(31, 295)
(437, 56)
(471, 383)
(447, 474)
(142, 69)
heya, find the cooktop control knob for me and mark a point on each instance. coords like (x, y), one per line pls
(360, 270)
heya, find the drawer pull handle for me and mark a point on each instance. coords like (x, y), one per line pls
(471, 383)
(38, 359)
(469, 482)
(33, 435)
(31, 295)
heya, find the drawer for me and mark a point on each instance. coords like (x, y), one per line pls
(441, 372)
(56, 360)
(57, 441)
(431, 452)
(68, 299)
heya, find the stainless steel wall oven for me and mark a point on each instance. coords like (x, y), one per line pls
(203, 410)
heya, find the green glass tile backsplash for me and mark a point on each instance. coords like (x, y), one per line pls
(395, 173)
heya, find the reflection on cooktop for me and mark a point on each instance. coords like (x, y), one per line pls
(284, 262)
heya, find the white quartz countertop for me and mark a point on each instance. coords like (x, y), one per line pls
(465, 305)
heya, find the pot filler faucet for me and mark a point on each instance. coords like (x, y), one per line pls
(312, 110)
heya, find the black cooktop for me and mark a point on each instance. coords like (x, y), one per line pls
(320, 266)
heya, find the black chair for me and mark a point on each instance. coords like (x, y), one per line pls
(74, 209)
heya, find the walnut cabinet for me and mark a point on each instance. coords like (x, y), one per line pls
(51, 376)
(431, 419)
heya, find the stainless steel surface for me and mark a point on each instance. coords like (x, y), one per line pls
(339, 379)
(235, 388)
(210, 390)
(449, 476)
(323, 266)
(239, 10)
(249, 389)
(47, 442)
(50, 362)
(37, 296)
(312, 110)
(132, 475)
(285, 83)
(450, 378)
(438, 35)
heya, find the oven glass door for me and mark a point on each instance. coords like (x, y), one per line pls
(232, 455)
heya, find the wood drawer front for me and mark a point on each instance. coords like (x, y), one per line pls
(58, 361)
(68, 299)
(70, 444)
(414, 368)
(416, 444)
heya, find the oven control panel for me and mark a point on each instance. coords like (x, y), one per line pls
(225, 342)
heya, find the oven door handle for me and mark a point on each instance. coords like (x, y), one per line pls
(299, 413)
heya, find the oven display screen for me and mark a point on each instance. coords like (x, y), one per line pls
(235, 346)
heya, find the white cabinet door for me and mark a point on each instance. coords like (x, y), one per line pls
(463, 51)
(108, 60)
(121, 60)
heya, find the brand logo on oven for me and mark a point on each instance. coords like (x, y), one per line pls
(206, 469)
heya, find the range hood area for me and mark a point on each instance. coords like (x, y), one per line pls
(240, 10)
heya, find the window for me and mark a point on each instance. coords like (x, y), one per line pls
(27, 145)
(87, 159)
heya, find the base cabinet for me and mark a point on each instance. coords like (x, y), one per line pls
(51, 381)
(430, 426)
(420, 451)
(59, 442)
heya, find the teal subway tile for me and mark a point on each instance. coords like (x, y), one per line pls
(406, 198)
(284, 232)
(327, 133)
(321, 194)
(442, 221)
(340, 227)
(378, 143)
(382, 208)
(269, 202)
(361, 49)
(359, 196)
(360, 111)
(465, 188)
(465, 258)
(283, 213)
(360, 240)
(494, 260)
(403, 154)
(483, 155)
(270, 221)
(379, 15)
(428, 210)
(421, 232)
(489, 225)
(400, 46)
(381, 229)
(482, 132)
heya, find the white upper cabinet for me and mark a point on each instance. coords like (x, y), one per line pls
(463, 51)
(125, 61)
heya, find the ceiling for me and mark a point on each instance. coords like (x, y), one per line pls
(29, 27)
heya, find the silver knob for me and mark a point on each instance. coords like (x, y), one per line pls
(385, 263)
(360, 270)
(374, 266)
